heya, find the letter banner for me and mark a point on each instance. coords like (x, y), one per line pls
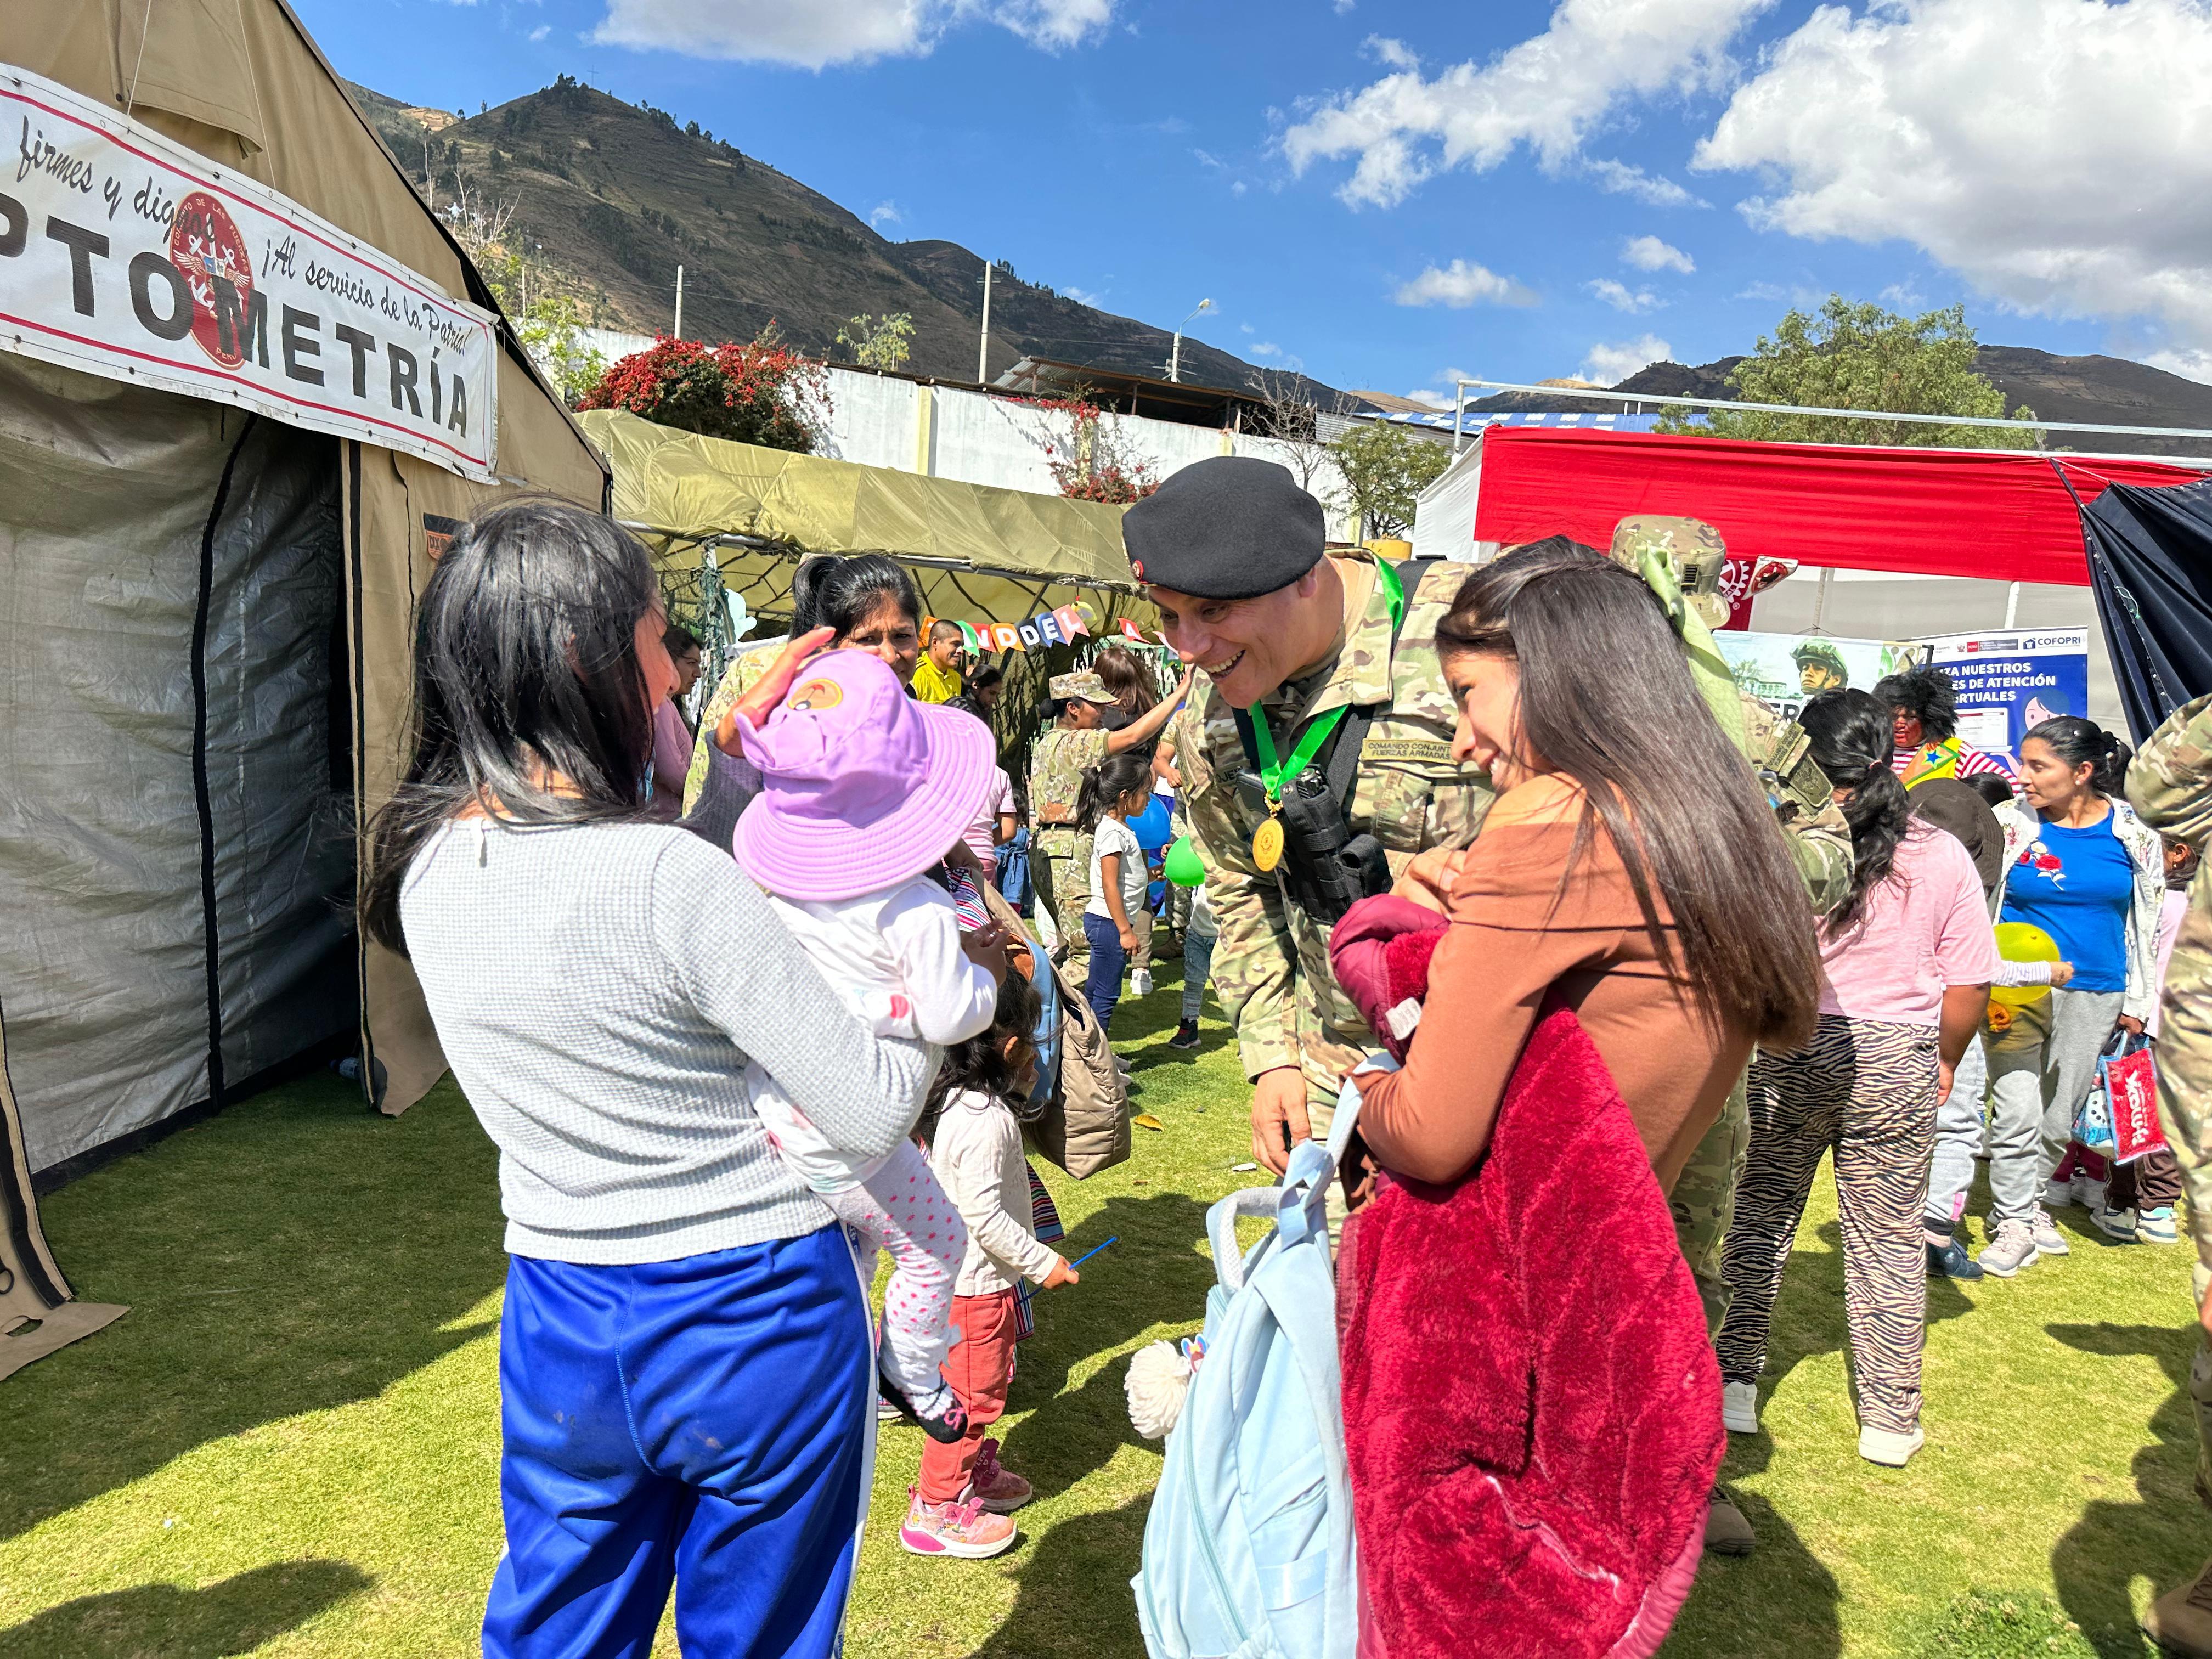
(125, 255)
(1059, 627)
(2011, 680)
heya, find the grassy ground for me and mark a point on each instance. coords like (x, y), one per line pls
(290, 1444)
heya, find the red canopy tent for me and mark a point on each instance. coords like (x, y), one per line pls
(1992, 515)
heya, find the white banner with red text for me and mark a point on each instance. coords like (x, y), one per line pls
(125, 255)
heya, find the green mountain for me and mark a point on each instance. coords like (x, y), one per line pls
(612, 197)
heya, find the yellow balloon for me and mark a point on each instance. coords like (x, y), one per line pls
(2021, 941)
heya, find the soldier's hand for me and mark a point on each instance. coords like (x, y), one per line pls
(1278, 1116)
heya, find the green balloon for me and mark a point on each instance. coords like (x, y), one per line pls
(1182, 866)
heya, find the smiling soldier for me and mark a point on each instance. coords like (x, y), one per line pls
(1319, 764)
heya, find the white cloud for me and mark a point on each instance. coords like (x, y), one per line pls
(1396, 54)
(885, 213)
(1620, 298)
(1460, 284)
(1084, 296)
(2189, 365)
(541, 31)
(1904, 296)
(2057, 153)
(1267, 349)
(1549, 92)
(1773, 294)
(1609, 365)
(1343, 6)
(1650, 253)
(826, 32)
(1433, 399)
(1619, 179)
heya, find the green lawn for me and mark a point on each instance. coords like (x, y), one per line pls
(290, 1444)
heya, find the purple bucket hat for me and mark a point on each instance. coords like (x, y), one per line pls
(865, 787)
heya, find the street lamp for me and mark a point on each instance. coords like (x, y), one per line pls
(1175, 357)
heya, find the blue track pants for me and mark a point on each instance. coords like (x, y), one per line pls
(699, 1421)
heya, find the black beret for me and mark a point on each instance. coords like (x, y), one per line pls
(1230, 527)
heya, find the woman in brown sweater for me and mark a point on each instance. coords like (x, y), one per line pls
(1632, 869)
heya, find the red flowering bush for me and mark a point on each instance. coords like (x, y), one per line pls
(760, 392)
(1087, 458)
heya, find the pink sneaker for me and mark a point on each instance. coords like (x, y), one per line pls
(958, 1528)
(998, 1489)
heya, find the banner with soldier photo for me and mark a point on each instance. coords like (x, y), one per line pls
(1784, 671)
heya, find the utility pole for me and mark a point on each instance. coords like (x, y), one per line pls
(1175, 352)
(679, 303)
(983, 344)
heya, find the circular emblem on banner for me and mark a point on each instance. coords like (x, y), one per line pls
(204, 243)
(1137, 567)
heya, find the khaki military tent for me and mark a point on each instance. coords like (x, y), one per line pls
(978, 552)
(247, 380)
(735, 518)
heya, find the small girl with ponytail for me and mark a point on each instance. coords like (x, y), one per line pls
(1906, 960)
(1114, 791)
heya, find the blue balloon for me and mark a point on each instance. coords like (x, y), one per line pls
(1151, 825)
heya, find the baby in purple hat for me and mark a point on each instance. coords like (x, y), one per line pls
(865, 790)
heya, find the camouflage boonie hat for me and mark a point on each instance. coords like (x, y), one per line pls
(1693, 547)
(1827, 655)
(1082, 684)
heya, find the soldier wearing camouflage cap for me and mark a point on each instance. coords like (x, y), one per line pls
(2169, 784)
(1304, 650)
(1820, 668)
(1703, 1195)
(1060, 857)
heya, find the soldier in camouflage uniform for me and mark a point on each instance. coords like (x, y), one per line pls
(2170, 785)
(1060, 859)
(1704, 1198)
(1233, 550)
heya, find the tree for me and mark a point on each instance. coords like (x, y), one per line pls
(1289, 415)
(877, 341)
(1386, 467)
(551, 331)
(763, 392)
(1088, 456)
(1860, 356)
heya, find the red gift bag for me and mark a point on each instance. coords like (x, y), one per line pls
(2130, 1081)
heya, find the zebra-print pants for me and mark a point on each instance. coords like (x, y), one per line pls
(1866, 1090)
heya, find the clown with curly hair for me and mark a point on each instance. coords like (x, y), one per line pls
(1924, 728)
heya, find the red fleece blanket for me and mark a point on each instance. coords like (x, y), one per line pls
(1531, 1405)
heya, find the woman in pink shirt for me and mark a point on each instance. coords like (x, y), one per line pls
(1906, 965)
(671, 738)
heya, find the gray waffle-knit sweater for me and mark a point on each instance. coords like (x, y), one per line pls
(597, 990)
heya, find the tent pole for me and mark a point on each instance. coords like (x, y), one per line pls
(2012, 606)
(1820, 599)
(1459, 415)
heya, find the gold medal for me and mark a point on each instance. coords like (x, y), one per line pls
(1267, 845)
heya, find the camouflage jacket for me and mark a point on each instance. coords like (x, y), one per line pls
(1271, 962)
(2169, 784)
(1057, 764)
(1798, 790)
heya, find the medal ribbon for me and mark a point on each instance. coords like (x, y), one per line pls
(1274, 773)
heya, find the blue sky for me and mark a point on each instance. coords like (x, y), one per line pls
(1387, 193)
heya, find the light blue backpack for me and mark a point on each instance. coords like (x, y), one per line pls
(1248, 1551)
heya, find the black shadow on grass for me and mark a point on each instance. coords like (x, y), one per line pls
(1808, 1314)
(1778, 1600)
(2160, 1532)
(1074, 1598)
(1154, 1276)
(297, 1253)
(162, 1621)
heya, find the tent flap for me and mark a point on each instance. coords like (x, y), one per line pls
(2151, 563)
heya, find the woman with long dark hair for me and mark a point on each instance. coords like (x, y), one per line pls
(2091, 875)
(1906, 959)
(1630, 868)
(685, 1351)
